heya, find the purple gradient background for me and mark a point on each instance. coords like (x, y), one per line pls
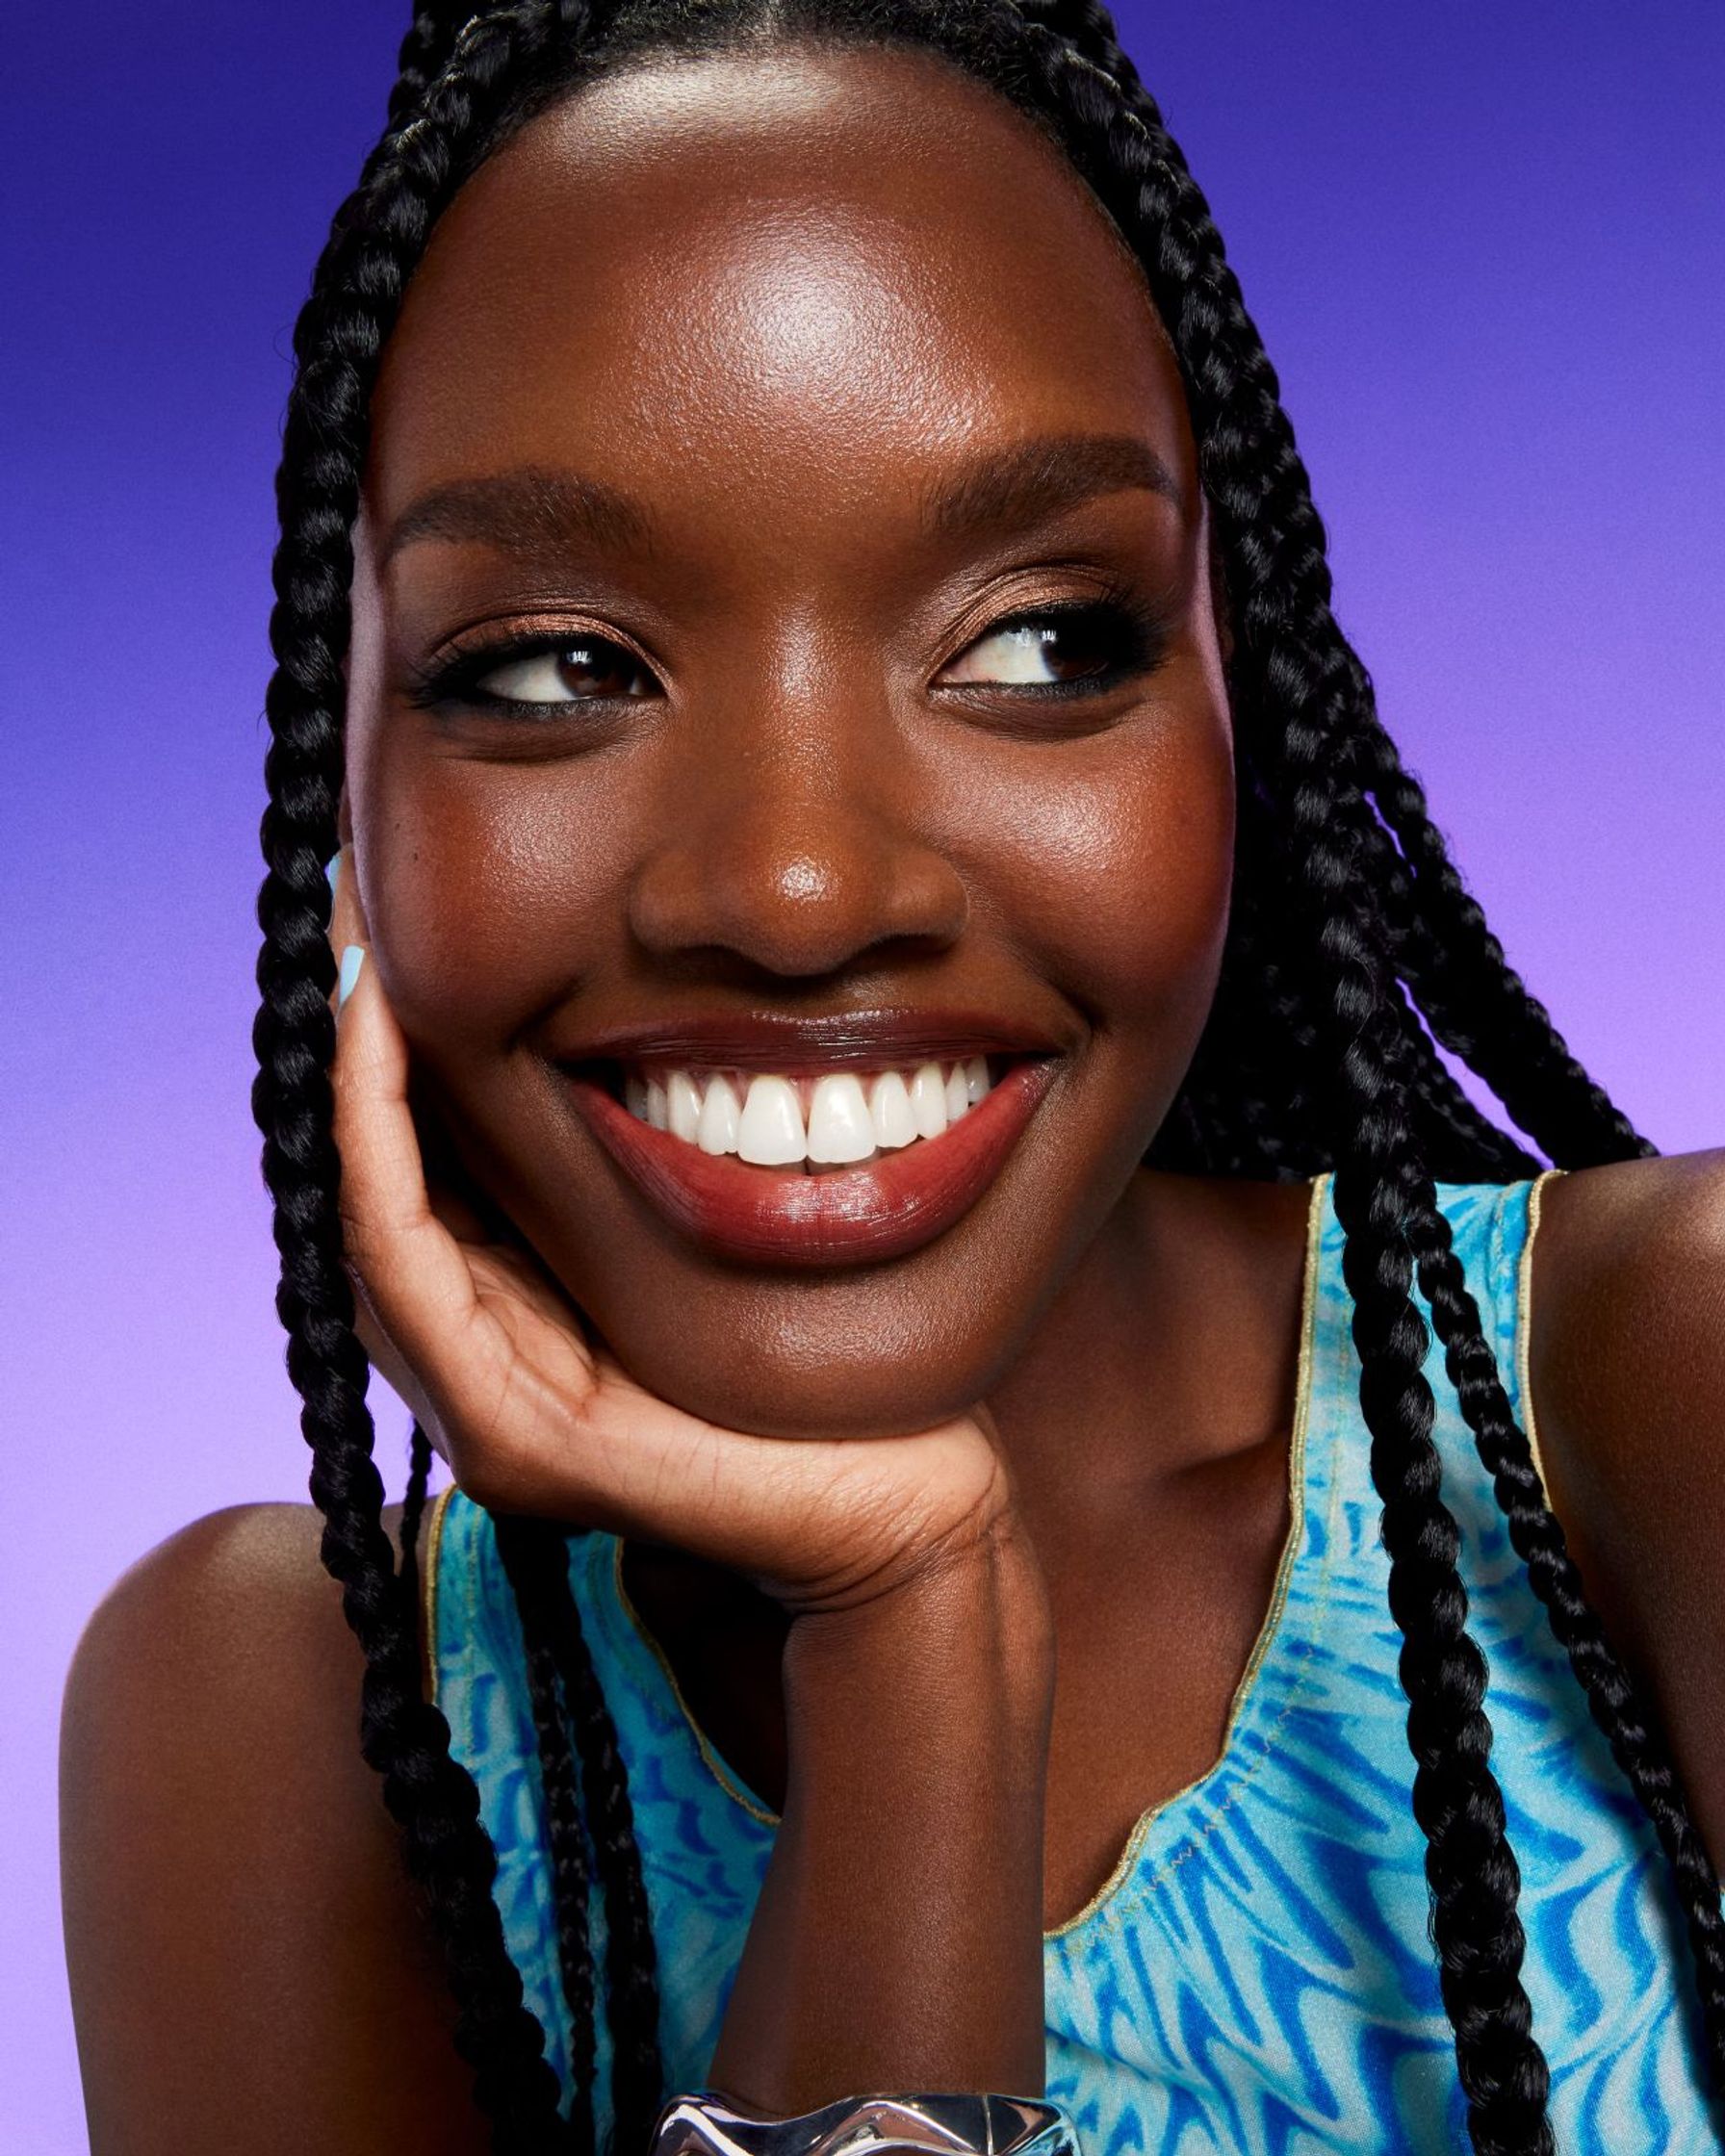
(1487, 250)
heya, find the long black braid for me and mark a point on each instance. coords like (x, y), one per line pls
(566, 1695)
(1555, 1101)
(521, 1545)
(1538, 1540)
(1288, 660)
(1427, 916)
(1476, 1005)
(357, 291)
(1355, 950)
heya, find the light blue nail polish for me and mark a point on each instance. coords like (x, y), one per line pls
(353, 959)
(332, 868)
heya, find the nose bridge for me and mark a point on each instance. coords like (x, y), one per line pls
(795, 842)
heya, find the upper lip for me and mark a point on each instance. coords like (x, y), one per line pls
(780, 1041)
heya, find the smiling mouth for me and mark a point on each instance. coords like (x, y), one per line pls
(809, 1122)
(801, 1165)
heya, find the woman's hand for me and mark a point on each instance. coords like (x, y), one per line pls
(896, 1942)
(535, 1417)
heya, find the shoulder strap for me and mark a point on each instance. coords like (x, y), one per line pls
(430, 1555)
(1521, 1395)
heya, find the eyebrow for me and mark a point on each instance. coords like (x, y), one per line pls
(1038, 478)
(530, 511)
(534, 510)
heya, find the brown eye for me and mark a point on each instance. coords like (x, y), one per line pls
(1069, 648)
(586, 668)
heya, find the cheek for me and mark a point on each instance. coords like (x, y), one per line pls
(1120, 863)
(491, 891)
(1169, 891)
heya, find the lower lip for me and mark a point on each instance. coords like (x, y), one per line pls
(858, 1216)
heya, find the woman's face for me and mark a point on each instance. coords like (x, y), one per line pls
(784, 657)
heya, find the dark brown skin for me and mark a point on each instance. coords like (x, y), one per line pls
(778, 302)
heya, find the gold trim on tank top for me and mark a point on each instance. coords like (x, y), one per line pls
(1278, 1593)
(440, 1504)
(1524, 1314)
(716, 1765)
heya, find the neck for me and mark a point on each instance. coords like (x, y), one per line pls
(1174, 1347)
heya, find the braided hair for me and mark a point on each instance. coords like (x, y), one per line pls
(1354, 953)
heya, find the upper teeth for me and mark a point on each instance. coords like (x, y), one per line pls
(776, 1120)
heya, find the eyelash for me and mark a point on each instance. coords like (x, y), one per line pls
(1132, 637)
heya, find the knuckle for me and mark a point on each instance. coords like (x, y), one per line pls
(356, 1232)
(370, 1250)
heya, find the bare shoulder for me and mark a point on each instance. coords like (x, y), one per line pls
(1628, 1346)
(248, 1960)
(1626, 1366)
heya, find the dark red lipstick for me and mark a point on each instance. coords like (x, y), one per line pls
(883, 1208)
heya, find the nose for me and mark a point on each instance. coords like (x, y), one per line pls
(796, 849)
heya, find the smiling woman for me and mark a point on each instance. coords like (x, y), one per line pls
(692, 649)
(872, 1074)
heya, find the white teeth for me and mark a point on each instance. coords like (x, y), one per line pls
(928, 1100)
(840, 1128)
(890, 1111)
(683, 1102)
(716, 1131)
(851, 1115)
(770, 1133)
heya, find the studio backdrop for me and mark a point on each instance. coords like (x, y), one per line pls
(1486, 247)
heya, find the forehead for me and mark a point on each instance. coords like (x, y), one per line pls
(727, 281)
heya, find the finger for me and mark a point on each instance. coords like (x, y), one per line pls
(349, 935)
(347, 912)
(631, 1464)
(348, 932)
(411, 1269)
(411, 1246)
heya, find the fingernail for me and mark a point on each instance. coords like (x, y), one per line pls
(332, 868)
(353, 959)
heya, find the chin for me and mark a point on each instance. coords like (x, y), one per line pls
(778, 1375)
(887, 1299)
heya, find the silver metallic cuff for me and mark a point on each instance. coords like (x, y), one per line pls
(704, 2124)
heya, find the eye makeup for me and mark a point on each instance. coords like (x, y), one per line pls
(508, 673)
(1061, 651)
(1067, 649)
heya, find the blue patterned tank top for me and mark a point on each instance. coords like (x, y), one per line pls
(1256, 1976)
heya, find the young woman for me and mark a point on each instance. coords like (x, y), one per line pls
(870, 1074)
